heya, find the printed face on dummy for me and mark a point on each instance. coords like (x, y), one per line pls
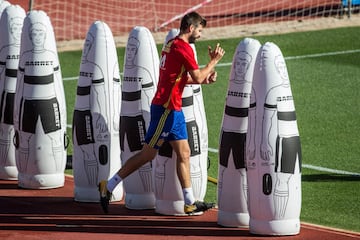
(16, 27)
(38, 35)
(87, 47)
(281, 68)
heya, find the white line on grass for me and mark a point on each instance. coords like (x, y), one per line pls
(321, 169)
(286, 58)
(70, 78)
(323, 54)
(324, 169)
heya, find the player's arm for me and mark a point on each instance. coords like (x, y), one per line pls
(207, 74)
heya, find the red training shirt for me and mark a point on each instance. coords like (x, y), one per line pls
(177, 59)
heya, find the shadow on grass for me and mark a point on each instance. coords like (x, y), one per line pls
(329, 178)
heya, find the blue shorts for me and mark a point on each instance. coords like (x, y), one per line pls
(165, 125)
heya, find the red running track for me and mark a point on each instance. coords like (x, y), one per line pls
(53, 214)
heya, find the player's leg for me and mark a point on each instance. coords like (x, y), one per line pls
(145, 155)
(192, 206)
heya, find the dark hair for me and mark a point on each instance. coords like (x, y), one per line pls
(192, 18)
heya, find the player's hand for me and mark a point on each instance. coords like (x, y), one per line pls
(217, 53)
(211, 78)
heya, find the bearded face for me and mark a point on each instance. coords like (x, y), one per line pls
(192, 39)
(195, 34)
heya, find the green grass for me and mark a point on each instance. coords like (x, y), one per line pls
(326, 93)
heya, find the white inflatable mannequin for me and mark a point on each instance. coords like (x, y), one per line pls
(96, 115)
(169, 197)
(11, 23)
(3, 5)
(232, 182)
(199, 161)
(273, 149)
(40, 109)
(141, 73)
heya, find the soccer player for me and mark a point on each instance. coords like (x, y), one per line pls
(178, 67)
